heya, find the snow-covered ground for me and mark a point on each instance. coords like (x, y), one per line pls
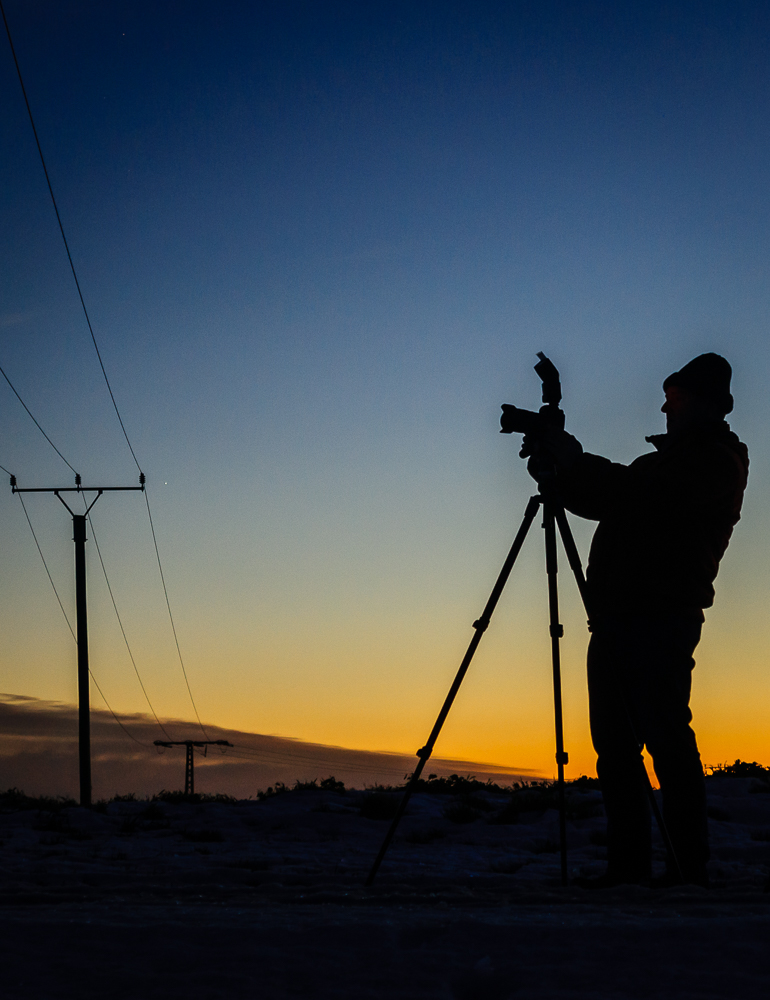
(266, 899)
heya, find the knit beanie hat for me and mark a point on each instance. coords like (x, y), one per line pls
(708, 378)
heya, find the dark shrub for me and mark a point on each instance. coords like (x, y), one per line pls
(277, 789)
(740, 769)
(332, 785)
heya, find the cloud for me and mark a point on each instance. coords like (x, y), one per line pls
(39, 754)
(12, 319)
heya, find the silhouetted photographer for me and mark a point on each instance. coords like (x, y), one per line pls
(665, 522)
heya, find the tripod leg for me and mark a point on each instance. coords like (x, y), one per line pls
(556, 631)
(480, 625)
(573, 557)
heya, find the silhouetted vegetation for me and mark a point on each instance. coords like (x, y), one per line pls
(473, 798)
(176, 797)
(15, 800)
(325, 785)
(329, 784)
(740, 769)
(277, 789)
(455, 784)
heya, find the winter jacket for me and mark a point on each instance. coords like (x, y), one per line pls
(664, 520)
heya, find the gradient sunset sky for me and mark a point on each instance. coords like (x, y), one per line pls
(320, 244)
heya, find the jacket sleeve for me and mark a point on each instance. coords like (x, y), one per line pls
(590, 487)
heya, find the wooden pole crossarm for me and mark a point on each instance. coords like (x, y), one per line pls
(73, 489)
(191, 743)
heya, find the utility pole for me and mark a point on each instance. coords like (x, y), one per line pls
(189, 768)
(79, 537)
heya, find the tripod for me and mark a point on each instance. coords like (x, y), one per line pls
(553, 516)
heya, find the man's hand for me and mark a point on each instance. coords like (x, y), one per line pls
(563, 448)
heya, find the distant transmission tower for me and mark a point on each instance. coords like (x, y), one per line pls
(189, 766)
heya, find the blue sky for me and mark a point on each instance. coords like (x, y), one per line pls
(320, 243)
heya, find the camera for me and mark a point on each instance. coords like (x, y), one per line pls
(518, 421)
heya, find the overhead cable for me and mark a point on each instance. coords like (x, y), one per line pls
(69, 626)
(45, 564)
(123, 631)
(98, 354)
(251, 753)
(13, 387)
(126, 731)
(66, 244)
(171, 617)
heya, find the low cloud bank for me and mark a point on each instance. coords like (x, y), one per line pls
(39, 755)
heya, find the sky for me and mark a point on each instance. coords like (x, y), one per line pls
(320, 244)
(39, 754)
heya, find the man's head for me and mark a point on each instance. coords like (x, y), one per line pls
(698, 393)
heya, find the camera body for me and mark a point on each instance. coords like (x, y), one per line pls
(515, 420)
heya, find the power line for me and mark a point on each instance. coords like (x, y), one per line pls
(126, 731)
(56, 592)
(99, 356)
(45, 564)
(109, 588)
(245, 752)
(250, 753)
(123, 631)
(104, 570)
(13, 387)
(170, 615)
(66, 245)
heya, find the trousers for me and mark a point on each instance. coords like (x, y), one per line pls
(639, 682)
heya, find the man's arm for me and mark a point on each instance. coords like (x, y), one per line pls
(589, 487)
(587, 484)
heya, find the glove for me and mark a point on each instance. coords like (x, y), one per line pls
(562, 448)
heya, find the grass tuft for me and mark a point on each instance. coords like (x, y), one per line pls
(14, 800)
(174, 798)
(740, 769)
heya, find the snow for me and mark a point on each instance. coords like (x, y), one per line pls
(146, 899)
